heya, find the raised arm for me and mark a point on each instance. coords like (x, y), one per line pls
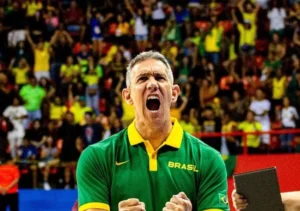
(296, 39)
(29, 39)
(234, 18)
(129, 7)
(119, 86)
(257, 7)
(240, 5)
(68, 37)
(183, 104)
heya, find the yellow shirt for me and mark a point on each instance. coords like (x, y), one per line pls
(32, 8)
(20, 75)
(91, 79)
(79, 112)
(250, 17)
(41, 60)
(213, 39)
(128, 111)
(111, 53)
(232, 54)
(123, 28)
(56, 111)
(188, 127)
(175, 112)
(252, 140)
(229, 127)
(278, 88)
(68, 71)
(247, 36)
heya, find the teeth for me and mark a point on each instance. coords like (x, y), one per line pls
(152, 97)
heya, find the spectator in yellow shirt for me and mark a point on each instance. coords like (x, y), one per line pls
(247, 31)
(32, 7)
(251, 125)
(79, 108)
(20, 72)
(57, 109)
(69, 73)
(212, 41)
(228, 126)
(186, 124)
(122, 31)
(91, 78)
(41, 53)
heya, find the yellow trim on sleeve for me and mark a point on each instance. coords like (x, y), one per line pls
(213, 210)
(93, 205)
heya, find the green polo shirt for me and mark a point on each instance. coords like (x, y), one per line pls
(126, 166)
(33, 97)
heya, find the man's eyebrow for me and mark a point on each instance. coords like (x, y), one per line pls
(150, 73)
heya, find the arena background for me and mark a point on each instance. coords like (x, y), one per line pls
(222, 52)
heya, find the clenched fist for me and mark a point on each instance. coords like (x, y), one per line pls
(179, 202)
(131, 205)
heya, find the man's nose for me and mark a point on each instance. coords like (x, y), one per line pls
(152, 83)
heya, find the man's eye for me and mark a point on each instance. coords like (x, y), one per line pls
(143, 78)
(159, 78)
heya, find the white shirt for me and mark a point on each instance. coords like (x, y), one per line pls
(287, 115)
(127, 55)
(276, 17)
(158, 13)
(260, 107)
(263, 3)
(13, 112)
(140, 27)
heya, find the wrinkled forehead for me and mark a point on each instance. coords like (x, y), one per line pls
(149, 67)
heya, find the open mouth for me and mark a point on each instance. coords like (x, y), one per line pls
(153, 103)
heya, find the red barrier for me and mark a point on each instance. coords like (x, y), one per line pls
(287, 165)
(244, 135)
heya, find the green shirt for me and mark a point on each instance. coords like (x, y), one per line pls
(33, 96)
(126, 166)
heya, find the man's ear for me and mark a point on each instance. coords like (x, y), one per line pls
(175, 93)
(126, 96)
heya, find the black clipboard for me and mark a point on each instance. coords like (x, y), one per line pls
(261, 189)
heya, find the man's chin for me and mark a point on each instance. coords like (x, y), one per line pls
(154, 114)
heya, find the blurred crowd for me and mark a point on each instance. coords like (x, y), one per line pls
(63, 65)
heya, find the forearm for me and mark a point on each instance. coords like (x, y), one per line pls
(13, 183)
(291, 201)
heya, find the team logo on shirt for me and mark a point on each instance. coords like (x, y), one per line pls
(177, 165)
(223, 199)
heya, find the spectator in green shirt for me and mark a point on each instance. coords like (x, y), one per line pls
(33, 95)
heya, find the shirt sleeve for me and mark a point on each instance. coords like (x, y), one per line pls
(295, 113)
(23, 111)
(241, 126)
(92, 180)
(240, 27)
(23, 93)
(6, 112)
(267, 105)
(212, 192)
(258, 126)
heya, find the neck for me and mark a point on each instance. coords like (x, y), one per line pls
(155, 133)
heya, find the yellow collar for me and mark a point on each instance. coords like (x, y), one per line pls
(173, 140)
